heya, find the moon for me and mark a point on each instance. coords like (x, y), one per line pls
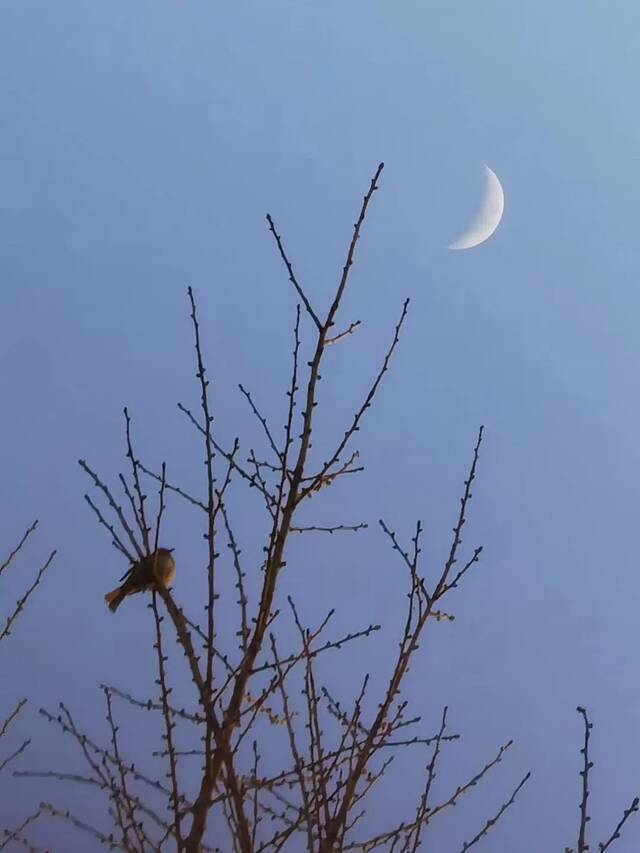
(488, 216)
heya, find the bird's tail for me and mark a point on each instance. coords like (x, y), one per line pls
(115, 598)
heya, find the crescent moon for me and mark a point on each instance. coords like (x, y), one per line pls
(488, 216)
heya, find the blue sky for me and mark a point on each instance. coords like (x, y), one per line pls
(142, 145)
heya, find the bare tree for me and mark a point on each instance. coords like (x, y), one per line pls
(17, 834)
(246, 687)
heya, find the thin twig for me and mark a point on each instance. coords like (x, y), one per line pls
(18, 547)
(633, 808)
(22, 601)
(584, 773)
(292, 276)
(493, 820)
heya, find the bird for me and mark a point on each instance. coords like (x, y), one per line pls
(144, 575)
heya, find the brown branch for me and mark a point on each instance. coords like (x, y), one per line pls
(390, 835)
(12, 716)
(170, 488)
(584, 773)
(117, 543)
(269, 499)
(473, 559)
(61, 777)
(104, 774)
(13, 554)
(262, 420)
(128, 801)
(457, 530)
(292, 277)
(17, 833)
(131, 499)
(139, 513)
(107, 840)
(150, 705)
(250, 478)
(14, 754)
(169, 725)
(408, 645)
(115, 507)
(493, 820)
(471, 783)
(242, 598)
(355, 425)
(274, 561)
(633, 808)
(83, 741)
(352, 327)
(285, 474)
(330, 644)
(22, 601)
(320, 480)
(337, 528)
(293, 746)
(423, 806)
(316, 751)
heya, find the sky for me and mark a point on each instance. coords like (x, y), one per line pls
(141, 146)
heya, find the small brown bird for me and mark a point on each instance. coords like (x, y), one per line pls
(158, 567)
